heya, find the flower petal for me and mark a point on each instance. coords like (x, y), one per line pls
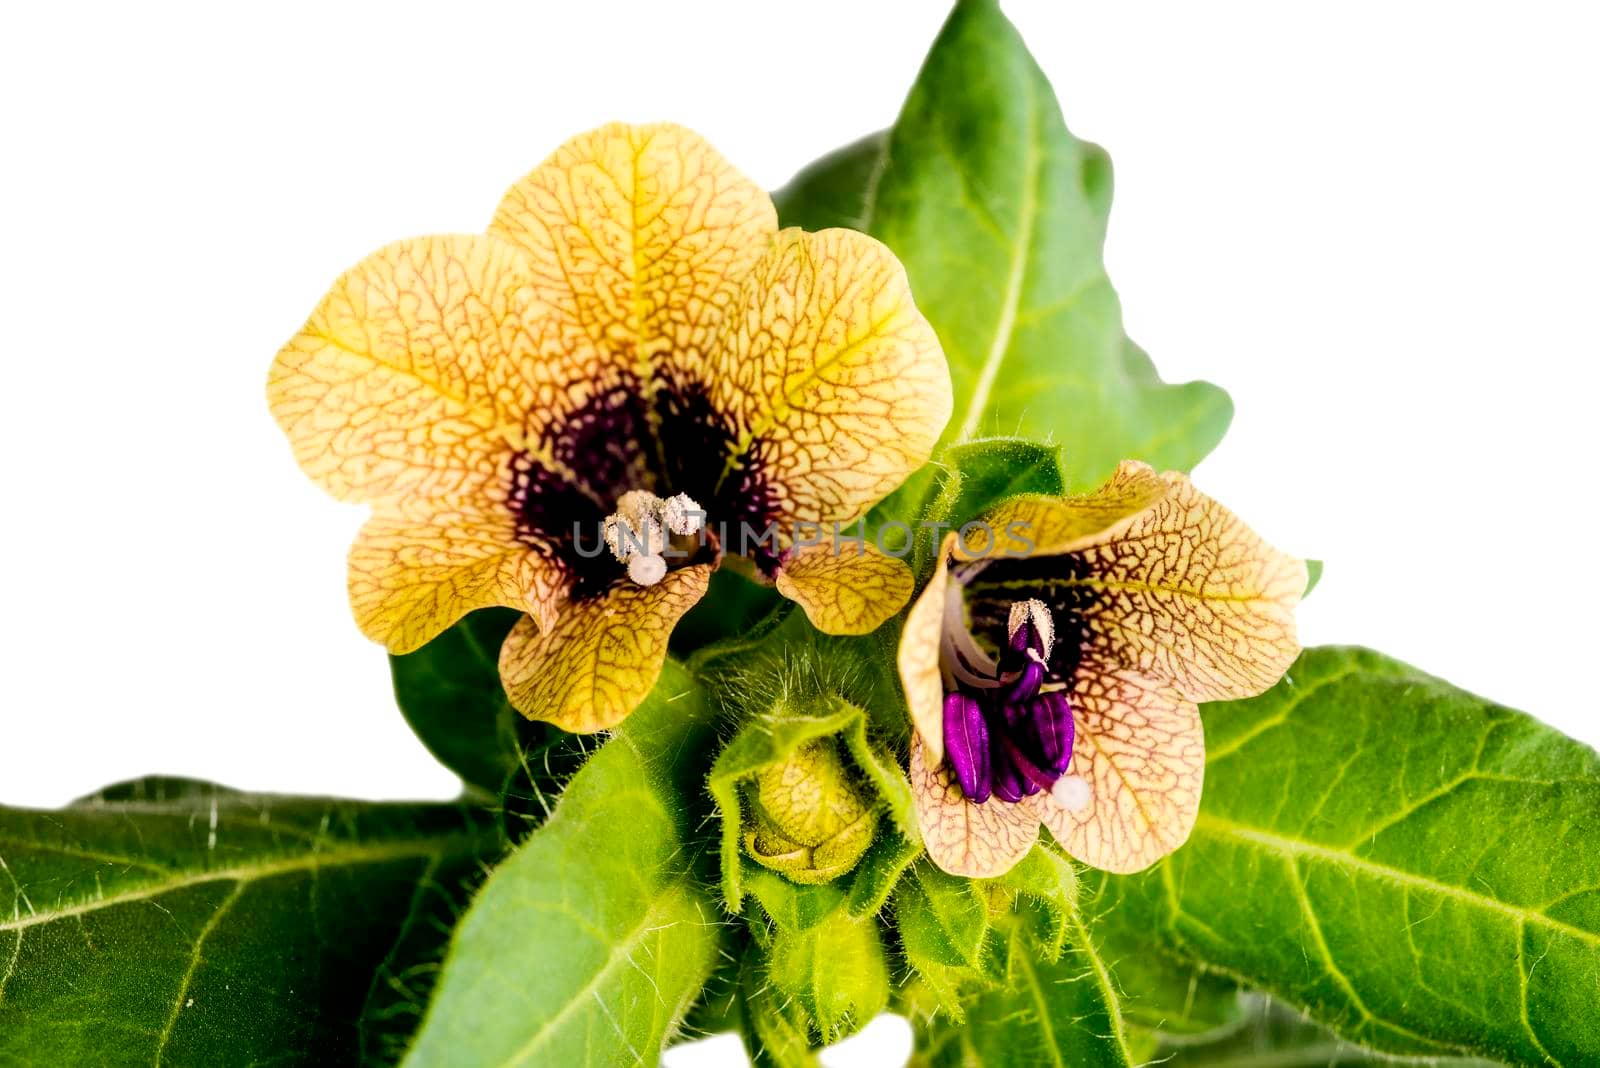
(979, 841)
(603, 654)
(638, 237)
(835, 384)
(1188, 593)
(413, 575)
(918, 655)
(386, 390)
(846, 587)
(1046, 526)
(1141, 751)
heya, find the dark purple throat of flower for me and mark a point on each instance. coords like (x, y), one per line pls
(624, 445)
(1007, 722)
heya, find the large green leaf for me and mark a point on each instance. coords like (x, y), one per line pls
(1170, 995)
(450, 693)
(1414, 866)
(588, 945)
(999, 215)
(1269, 1035)
(172, 922)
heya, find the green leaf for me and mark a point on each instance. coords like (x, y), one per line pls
(775, 1030)
(999, 215)
(974, 477)
(1042, 1012)
(174, 922)
(1169, 995)
(947, 927)
(720, 1007)
(1414, 866)
(1163, 993)
(945, 935)
(450, 693)
(1313, 575)
(588, 945)
(733, 608)
(834, 972)
(1046, 880)
(1267, 1034)
(840, 189)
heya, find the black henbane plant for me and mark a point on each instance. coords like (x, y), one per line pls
(1038, 762)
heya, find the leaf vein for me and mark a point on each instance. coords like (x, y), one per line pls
(1341, 857)
(1021, 248)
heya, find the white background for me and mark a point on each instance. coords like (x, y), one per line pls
(1376, 226)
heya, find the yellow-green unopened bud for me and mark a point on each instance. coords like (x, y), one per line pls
(809, 819)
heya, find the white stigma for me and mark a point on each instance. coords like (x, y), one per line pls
(647, 570)
(1033, 611)
(1072, 793)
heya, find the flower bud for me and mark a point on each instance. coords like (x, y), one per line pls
(807, 817)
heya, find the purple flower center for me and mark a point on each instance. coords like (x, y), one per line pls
(618, 440)
(1007, 725)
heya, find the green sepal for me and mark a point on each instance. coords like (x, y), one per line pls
(879, 871)
(948, 925)
(1313, 576)
(976, 476)
(1046, 883)
(945, 935)
(1035, 1012)
(769, 738)
(835, 971)
(791, 906)
(774, 1028)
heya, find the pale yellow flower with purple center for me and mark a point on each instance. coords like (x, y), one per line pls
(1053, 663)
(559, 415)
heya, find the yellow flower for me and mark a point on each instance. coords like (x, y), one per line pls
(578, 412)
(1053, 663)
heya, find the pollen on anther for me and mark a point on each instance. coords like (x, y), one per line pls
(634, 529)
(682, 515)
(1033, 611)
